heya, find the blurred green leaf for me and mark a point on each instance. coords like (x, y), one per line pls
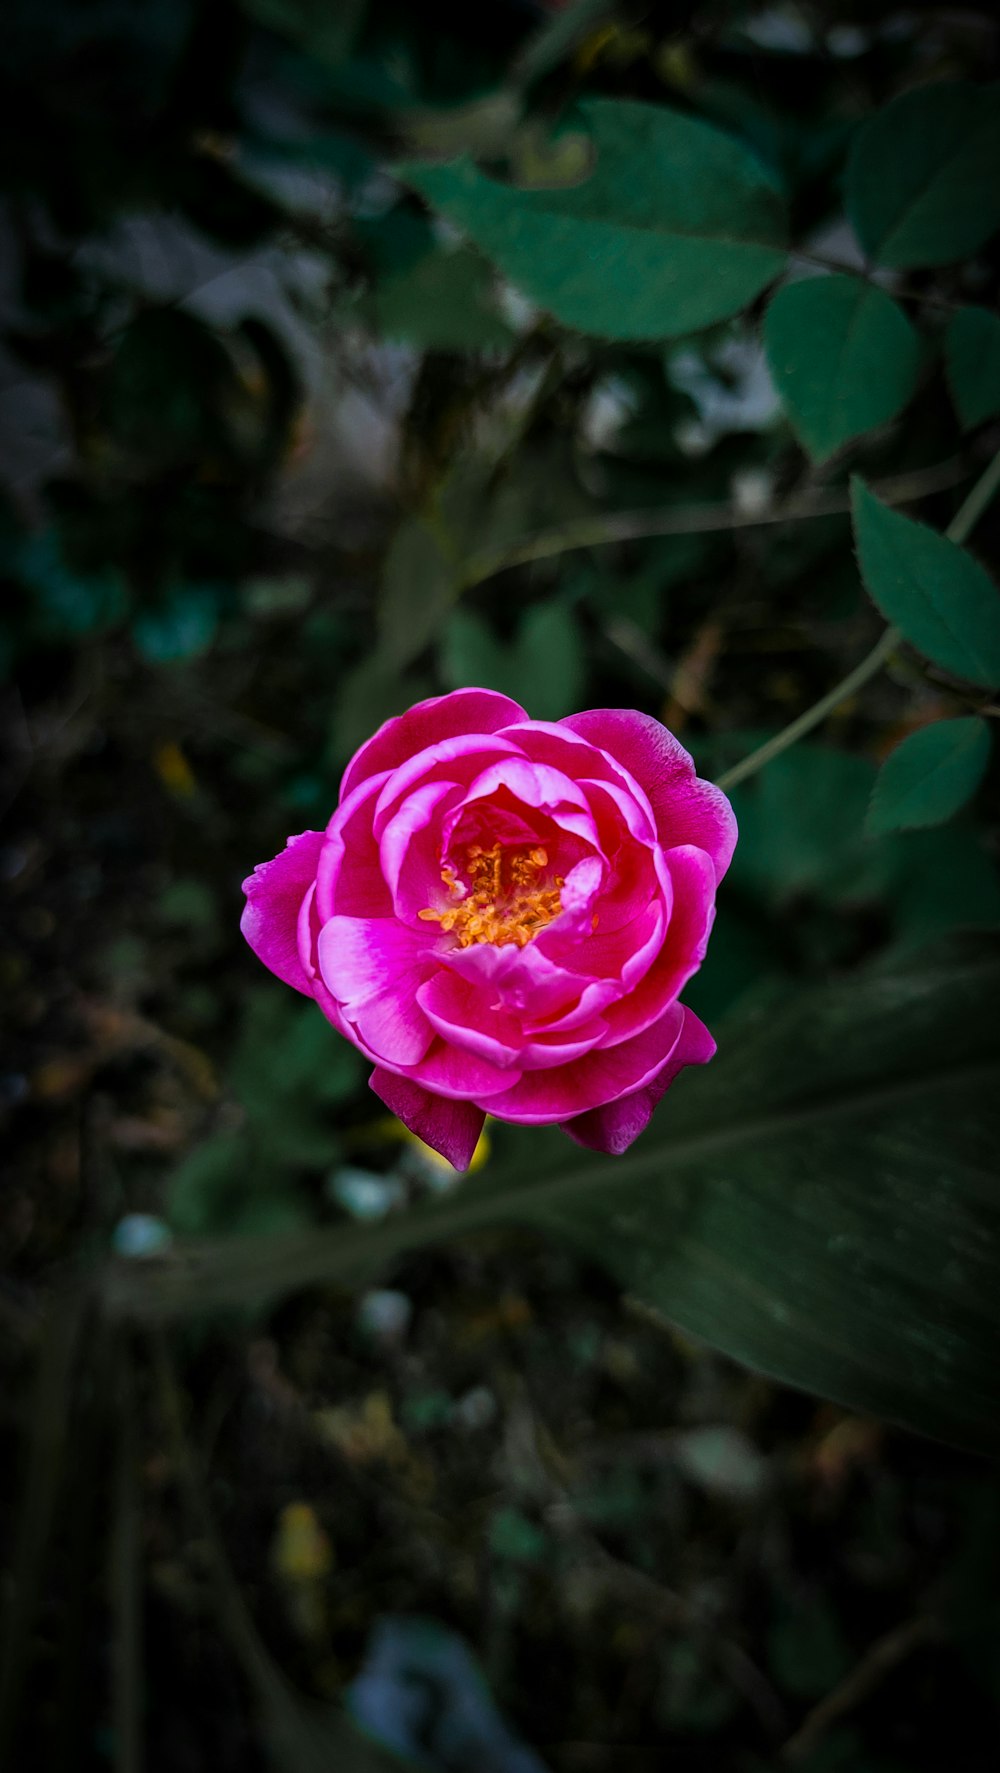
(420, 582)
(721, 1460)
(167, 386)
(972, 357)
(802, 831)
(844, 358)
(289, 1070)
(946, 880)
(179, 626)
(678, 225)
(922, 185)
(945, 603)
(543, 667)
(818, 1202)
(692, 1696)
(367, 695)
(314, 26)
(442, 303)
(932, 773)
(807, 1650)
(68, 604)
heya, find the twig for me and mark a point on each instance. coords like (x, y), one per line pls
(964, 520)
(689, 520)
(878, 1661)
(127, 1579)
(902, 292)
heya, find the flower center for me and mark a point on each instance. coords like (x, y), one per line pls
(507, 899)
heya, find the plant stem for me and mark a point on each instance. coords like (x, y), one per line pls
(961, 525)
(797, 729)
(690, 520)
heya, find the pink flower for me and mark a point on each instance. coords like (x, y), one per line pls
(502, 914)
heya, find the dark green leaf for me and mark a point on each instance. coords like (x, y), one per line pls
(543, 668)
(314, 26)
(930, 775)
(368, 695)
(972, 356)
(442, 303)
(923, 179)
(678, 225)
(179, 627)
(819, 1202)
(419, 585)
(844, 358)
(945, 603)
(807, 1651)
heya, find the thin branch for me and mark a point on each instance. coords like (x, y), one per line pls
(878, 1661)
(961, 525)
(797, 729)
(690, 520)
(902, 292)
(127, 1580)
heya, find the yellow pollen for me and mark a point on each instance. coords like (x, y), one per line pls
(505, 903)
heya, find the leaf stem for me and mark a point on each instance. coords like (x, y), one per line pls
(961, 525)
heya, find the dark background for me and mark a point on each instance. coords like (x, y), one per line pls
(227, 376)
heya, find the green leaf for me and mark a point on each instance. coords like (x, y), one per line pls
(807, 1651)
(945, 603)
(543, 668)
(972, 358)
(843, 356)
(320, 30)
(930, 775)
(420, 582)
(677, 227)
(819, 1202)
(179, 627)
(442, 303)
(923, 178)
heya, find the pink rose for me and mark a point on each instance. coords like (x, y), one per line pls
(502, 914)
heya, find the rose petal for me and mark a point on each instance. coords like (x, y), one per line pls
(533, 785)
(600, 1076)
(687, 809)
(449, 1127)
(460, 759)
(440, 717)
(613, 1127)
(349, 877)
(373, 966)
(464, 1076)
(275, 891)
(466, 1020)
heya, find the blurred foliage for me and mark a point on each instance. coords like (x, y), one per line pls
(284, 447)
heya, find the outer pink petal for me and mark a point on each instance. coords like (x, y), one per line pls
(275, 891)
(687, 809)
(599, 1077)
(612, 1129)
(349, 878)
(465, 1077)
(452, 1128)
(373, 966)
(441, 717)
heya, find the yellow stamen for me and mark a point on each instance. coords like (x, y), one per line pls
(506, 903)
